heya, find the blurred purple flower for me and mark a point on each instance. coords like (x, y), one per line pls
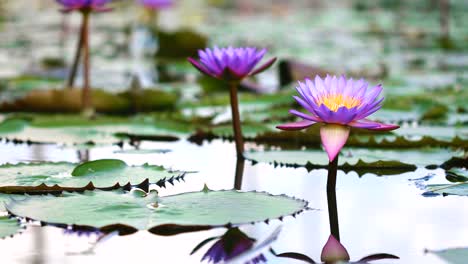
(339, 104)
(231, 64)
(230, 245)
(156, 4)
(84, 5)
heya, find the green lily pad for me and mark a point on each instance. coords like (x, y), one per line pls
(75, 129)
(449, 189)
(117, 210)
(356, 159)
(452, 255)
(101, 173)
(8, 227)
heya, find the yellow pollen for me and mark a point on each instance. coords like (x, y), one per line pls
(335, 101)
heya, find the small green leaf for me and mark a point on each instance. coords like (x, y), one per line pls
(98, 166)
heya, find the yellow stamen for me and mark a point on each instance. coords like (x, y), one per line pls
(335, 101)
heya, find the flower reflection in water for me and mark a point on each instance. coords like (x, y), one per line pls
(236, 247)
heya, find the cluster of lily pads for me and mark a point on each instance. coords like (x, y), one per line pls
(331, 111)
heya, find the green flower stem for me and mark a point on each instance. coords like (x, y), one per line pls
(239, 174)
(86, 95)
(236, 124)
(76, 59)
(331, 198)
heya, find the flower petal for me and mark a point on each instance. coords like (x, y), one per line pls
(334, 137)
(199, 66)
(372, 125)
(296, 125)
(304, 116)
(263, 67)
(334, 251)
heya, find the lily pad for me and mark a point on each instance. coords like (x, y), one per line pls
(356, 159)
(100, 173)
(458, 175)
(8, 226)
(74, 129)
(117, 210)
(453, 255)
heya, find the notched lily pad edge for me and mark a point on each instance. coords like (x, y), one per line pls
(57, 189)
(360, 167)
(167, 229)
(19, 231)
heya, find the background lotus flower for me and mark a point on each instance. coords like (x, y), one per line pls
(156, 4)
(231, 64)
(85, 5)
(339, 104)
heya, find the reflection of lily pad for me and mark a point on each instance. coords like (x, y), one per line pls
(356, 159)
(8, 227)
(113, 210)
(102, 173)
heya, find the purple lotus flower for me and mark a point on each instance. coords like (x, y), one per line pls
(231, 64)
(230, 245)
(339, 104)
(84, 5)
(156, 4)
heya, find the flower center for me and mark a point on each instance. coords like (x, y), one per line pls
(335, 101)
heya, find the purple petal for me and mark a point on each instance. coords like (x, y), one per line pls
(334, 251)
(263, 67)
(372, 125)
(305, 116)
(296, 125)
(334, 138)
(199, 66)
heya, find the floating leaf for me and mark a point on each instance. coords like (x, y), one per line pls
(449, 189)
(101, 173)
(452, 255)
(356, 159)
(117, 210)
(74, 129)
(8, 226)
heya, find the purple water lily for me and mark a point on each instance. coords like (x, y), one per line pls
(231, 64)
(85, 5)
(156, 4)
(339, 104)
(229, 246)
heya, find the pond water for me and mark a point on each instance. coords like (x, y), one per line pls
(376, 213)
(390, 42)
